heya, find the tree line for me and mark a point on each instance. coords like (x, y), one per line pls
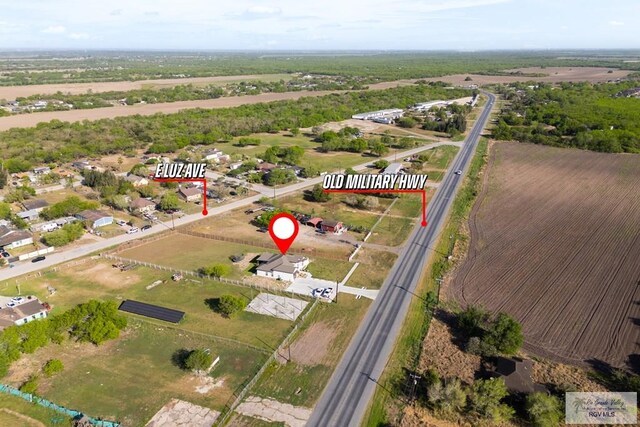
(57, 141)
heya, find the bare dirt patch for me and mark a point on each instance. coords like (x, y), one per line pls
(553, 75)
(311, 348)
(555, 242)
(180, 413)
(274, 411)
(104, 274)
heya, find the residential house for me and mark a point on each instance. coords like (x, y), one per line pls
(30, 215)
(81, 165)
(35, 204)
(10, 239)
(29, 176)
(516, 373)
(265, 167)
(190, 194)
(137, 181)
(335, 227)
(215, 155)
(296, 169)
(142, 206)
(42, 170)
(281, 267)
(95, 217)
(18, 313)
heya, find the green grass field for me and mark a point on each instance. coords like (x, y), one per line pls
(372, 271)
(81, 283)
(132, 378)
(37, 413)
(190, 253)
(392, 231)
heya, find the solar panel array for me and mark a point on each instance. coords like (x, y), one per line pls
(150, 310)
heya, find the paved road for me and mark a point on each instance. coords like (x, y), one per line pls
(346, 398)
(67, 255)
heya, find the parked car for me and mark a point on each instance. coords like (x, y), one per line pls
(11, 304)
(133, 230)
(145, 227)
(5, 254)
(17, 299)
(39, 258)
(121, 222)
(327, 293)
(317, 292)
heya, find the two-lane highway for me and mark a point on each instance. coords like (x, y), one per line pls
(351, 387)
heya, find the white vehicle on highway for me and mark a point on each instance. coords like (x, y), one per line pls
(458, 172)
(133, 230)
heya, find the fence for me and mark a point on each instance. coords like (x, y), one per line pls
(51, 270)
(230, 407)
(323, 254)
(60, 409)
(243, 283)
(131, 244)
(36, 253)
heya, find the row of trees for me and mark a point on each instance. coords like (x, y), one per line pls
(94, 322)
(485, 399)
(65, 235)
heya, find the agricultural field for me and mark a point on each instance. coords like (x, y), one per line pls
(555, 240)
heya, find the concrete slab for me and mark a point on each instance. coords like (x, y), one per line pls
(277, 306)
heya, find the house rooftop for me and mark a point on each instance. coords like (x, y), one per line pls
(13, 314)
(188, 192)
(516, 373)
(330, 223)
(93, 215)
(141, 203)
(393, 168)
(278, 262)
(11, 236)
(35, 204)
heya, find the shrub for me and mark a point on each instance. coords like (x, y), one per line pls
(472, 320)
(53, 366)
(486, 396)
(216, 270)
(30, 386)
(543, 410)
(505, 334)
(198, 360)
(449, 397)
(381, 164)
(228, 305)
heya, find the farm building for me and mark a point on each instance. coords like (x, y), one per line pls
(281, 267)
(20, 310)
(314, 222)
(392, 113)
(35, 204)
(10, 239)
(393, 168)
(426, 106)
(190, 194)
(42, 170)
(330, 226)
(95, 217)
(142, 206)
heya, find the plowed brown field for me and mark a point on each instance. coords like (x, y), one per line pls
(555, 242)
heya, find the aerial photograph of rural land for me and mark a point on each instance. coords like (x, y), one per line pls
(278, 213)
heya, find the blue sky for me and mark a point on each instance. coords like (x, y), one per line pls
(319, 24)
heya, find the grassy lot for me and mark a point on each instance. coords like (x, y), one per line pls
(190, 253)
(336, 209)
(36, 412)
(374, 267)
(392, 231)
(99, 280)
(329, 269)
(409, 205)
(131, 378)
(434, 175)
(282, 381)
(440, 157)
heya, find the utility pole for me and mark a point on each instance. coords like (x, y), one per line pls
(337, 290)
(415, 379)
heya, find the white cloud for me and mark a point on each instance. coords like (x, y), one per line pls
(616, 23)
(263, 10)
(78, 36)
(54, 29)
